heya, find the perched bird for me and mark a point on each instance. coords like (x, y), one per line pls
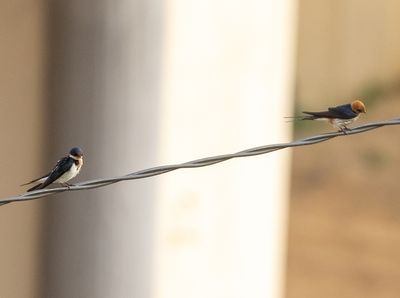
(65, 169)
(339, 116)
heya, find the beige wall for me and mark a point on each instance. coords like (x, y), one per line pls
(344, 224)
(22, 111)
(344, 45)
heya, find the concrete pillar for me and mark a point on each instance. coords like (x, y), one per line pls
(143, 83)
(227, 85)
(105, 98)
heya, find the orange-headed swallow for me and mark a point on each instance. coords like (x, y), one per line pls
(65, 169)
(339, 116)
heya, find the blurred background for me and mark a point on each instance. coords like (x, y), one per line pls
(142, 83)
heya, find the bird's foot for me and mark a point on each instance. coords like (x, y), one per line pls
(344, 130)
(67, 185)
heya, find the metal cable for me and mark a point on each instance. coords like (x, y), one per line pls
(197, 163)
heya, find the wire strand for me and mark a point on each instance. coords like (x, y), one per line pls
(202, 162)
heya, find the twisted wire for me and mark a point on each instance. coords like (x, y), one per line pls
(207, 161)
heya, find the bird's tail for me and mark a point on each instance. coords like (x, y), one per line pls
(316, 115)
(309, 117)
(38, 180)
(27, 183)
(297, 118)
(38, 186)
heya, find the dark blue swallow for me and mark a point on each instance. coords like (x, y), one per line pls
(339, 116)
(65, 169)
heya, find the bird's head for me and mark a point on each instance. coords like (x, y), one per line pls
(76, 153)
(358, 107)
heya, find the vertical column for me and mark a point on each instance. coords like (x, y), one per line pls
(227, 81)
(105, 96)
(226, 84)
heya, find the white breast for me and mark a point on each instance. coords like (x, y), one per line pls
(75, 169)
(340, 123)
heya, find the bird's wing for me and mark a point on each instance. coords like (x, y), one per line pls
(61, 167)
(343, 112)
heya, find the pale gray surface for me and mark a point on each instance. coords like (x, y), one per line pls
(104, 93)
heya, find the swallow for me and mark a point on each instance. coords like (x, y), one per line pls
(339, 116)
(65, 169)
